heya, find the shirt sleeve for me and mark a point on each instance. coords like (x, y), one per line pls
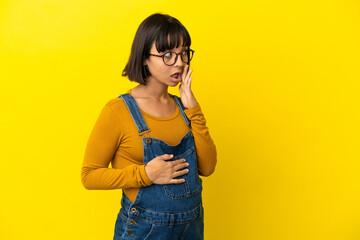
(102, 145)
(204, 144)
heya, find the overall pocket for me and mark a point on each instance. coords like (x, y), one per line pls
(192, 184)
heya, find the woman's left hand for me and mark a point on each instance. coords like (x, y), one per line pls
(187, 97)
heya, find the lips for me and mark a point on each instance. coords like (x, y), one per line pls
(176, 77)
(177, 73)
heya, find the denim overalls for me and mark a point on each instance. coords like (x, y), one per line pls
(163, 212)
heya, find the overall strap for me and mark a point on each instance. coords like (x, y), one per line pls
(182, 108)
(135, 113)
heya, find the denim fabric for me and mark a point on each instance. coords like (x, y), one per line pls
(170, 211)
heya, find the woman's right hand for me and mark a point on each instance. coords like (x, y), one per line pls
(160, 171)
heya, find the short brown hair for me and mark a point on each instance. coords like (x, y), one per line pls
(157, 27)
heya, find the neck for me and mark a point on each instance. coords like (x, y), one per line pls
(153, 89)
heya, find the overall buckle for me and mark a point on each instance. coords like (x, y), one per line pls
(144, 132)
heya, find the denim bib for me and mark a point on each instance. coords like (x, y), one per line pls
(169, 204)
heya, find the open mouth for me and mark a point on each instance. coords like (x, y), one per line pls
(176, 77)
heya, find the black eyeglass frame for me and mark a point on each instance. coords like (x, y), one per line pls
(162, 56)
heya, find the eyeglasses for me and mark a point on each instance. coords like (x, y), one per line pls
(170, 57)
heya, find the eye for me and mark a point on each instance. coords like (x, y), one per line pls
(168, 55)
(186, 52)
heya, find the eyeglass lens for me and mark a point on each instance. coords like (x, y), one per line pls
(169, 57)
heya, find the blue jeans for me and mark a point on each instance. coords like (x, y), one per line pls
(151, 229)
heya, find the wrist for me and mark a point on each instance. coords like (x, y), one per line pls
(193, 104)
(147, 175)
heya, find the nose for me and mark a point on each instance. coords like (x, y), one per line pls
(179, 62)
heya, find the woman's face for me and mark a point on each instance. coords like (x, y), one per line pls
(160, 72)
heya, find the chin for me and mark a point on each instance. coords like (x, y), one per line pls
(174, 84)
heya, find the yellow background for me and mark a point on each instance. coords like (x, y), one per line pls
(278, 82)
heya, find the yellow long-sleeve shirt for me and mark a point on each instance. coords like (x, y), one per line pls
(115, 139)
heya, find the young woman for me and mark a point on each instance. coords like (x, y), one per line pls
(158, 143)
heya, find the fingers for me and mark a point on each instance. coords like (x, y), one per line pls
(180, 166)
(182, 160)
(174, 167)
(187, 77)
(165, 156)
(177, 181)
(185, 71)
(186, 74)
(180, 173)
